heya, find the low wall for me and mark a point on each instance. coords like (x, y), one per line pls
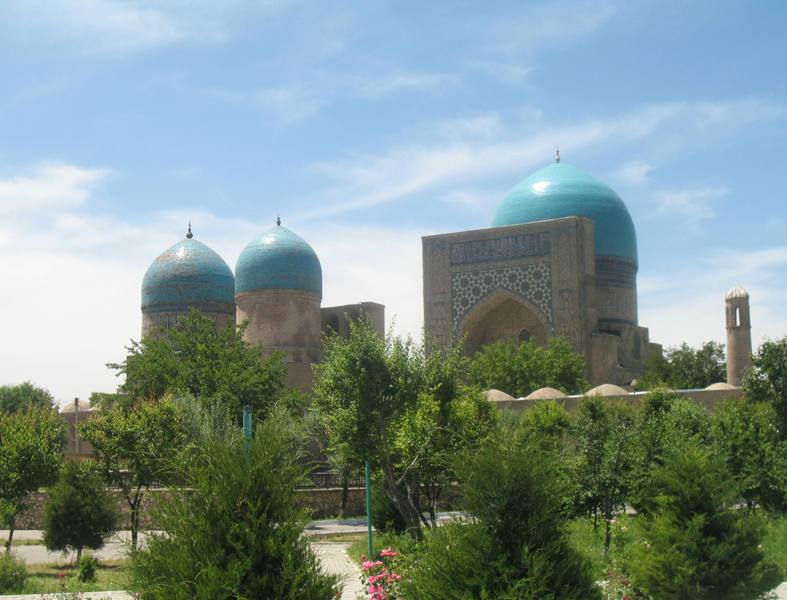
(322, 503)
(710, 399)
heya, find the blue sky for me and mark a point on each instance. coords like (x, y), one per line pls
(367, 125)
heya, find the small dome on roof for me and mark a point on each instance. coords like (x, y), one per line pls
(278, 259)
(497, 396)
(721, 385)
(70, 407)
(545, 393)
(561, 190)
(607, 389)
(736, 292)
(188, 274)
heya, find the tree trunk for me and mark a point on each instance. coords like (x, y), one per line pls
(410, 514)
(79, 554)
(345, 492)
(607, 536)
(136, 506)
(11, 527)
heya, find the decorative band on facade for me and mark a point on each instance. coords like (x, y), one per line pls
(502, 248)
(532, 283)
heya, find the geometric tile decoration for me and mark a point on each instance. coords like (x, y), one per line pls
(531, 282)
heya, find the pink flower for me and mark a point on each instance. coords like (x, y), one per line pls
(369, 564)
(385, 552)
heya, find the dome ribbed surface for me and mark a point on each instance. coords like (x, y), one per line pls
(278, 259)
(736, 292)
(188, 275)
(561, 190)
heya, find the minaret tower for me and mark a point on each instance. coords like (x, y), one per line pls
(738, 334)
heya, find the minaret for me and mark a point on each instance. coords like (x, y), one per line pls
(738, 334)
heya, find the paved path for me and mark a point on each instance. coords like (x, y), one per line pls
(335, 561)
(82, 596)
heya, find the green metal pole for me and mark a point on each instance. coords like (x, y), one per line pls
(247, 426)
(370, 551)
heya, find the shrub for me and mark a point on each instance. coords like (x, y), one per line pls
(13, 573)
(385, 517)
(515, 544)
(79, 513)
(693, 543)
(231, 530)
(88, 564)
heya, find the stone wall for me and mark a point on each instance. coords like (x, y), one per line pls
(323, 503)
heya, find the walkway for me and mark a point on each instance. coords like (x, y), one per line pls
(335, 561)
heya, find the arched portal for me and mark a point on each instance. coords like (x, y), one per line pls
(502, 316)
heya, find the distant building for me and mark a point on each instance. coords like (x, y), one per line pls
(277, 288)
(560, 259)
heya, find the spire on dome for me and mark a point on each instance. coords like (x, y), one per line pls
(189, 235)
(278, 220)
(557, 154)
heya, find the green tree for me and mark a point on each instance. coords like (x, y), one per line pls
(15, 398)
(31, 450)
(694, 543)
(521, 369)
(514, 544)
(684, 367)
(604, 433)
(79, 512)
(767, 381)
(667, 422)
(746, 435)
(398, 406)
(135, 446)
(230, 530)
(212, 365)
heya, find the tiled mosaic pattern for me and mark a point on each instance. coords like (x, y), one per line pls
(531, 282)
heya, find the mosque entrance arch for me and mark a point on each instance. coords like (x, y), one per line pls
(502, 316)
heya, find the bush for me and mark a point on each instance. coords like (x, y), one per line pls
(88, 564)
(231, 530)
(385, 517)
(515, 544)
(693, 542)
(13, 573)
(78, 513)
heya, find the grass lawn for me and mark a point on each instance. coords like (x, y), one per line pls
(110, 575)
(775, 543)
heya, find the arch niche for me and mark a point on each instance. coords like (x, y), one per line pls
(502, 316)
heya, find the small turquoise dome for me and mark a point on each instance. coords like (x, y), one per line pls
(188, 274)
(560, 190)
(278, 259)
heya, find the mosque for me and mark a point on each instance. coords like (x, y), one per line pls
(559, 259)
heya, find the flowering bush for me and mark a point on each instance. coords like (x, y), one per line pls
(380, 580)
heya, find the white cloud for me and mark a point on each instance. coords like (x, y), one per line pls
(634, 172)
(398, 82)
(48, 186)
(691, 206)
(507, 72)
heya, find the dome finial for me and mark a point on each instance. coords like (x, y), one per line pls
(189, 235)
(278, 220)
(557, 153)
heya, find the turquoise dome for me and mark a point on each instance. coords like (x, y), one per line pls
(188, 274)
(560, 190)
(278, 259)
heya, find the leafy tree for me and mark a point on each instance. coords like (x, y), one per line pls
(398, 406)
(746, 435)
(521, 369)
(604, 434)
(694, 543)
(15, 398)
(230, 530)
(767, 381)
(514, 545)
(135, 446)
(667, 422)
(78, 513)
(31, 449)
(684, 367)
(212, 365)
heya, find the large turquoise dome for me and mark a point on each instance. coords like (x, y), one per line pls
(278, 259)
(188, 274)
(561, 190)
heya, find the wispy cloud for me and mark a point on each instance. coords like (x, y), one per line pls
(504, 71)
(463, 157)
(634, 172)
(48, 186)
(282, 105)
(691, 206)
(400, 82)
